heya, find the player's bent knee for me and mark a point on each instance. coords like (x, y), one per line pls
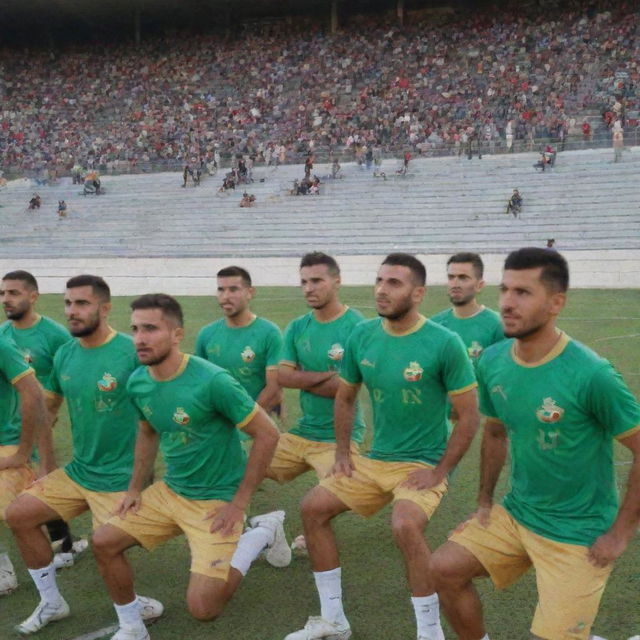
(203, 609)
(452, 566)
(108, 541)
(25, 513)
(405, 527)
(319, 506)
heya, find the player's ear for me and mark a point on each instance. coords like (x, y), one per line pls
(178, 334)
(558, 300)
(480, 285)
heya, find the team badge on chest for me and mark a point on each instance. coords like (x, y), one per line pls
(181, 417)
(336, 352)
(107, 383)
(413, 372)
(549, 412)
(474, 349)
(248, 354)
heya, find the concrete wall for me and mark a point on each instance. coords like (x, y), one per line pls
(194, 276)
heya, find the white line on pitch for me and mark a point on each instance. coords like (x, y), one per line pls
(100, 633)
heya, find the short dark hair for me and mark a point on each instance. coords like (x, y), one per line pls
(23, 276)
(555, 270)
(411, 262)
(169, 306)
(98, 285)
(230, 272)
(317, 257)
(467, 257)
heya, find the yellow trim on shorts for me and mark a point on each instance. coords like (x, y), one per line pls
(628, 433)
(288, 363)
(459, 392)
(249, 418)
(349, 384)
(24, 374)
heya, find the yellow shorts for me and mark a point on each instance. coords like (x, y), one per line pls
(569, 586)
(69, 499)
(12, 481)
(164, 515)
(375, 483)
(295, 455)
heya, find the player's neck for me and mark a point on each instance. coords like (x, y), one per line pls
(243, 319)
(535, 347)
(169, 367)
(330, 311)
(404, 324)
(467, 310)
(98, 337)
(27, 321)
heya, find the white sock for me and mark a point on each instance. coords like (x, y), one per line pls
(129, 614)
(5, 562)
(427, 610)
(329, 586)
(45, 581)
(251, 543)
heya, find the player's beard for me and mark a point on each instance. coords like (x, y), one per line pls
(89, 328)
(18, 313)
(461, 302)
(159, 359)
(401, 310)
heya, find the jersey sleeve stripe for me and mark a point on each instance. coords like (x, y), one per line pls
(288, 363)
(249, 418)
(458, 392)
(24, 374)
(273, 367)
(349, 384)
(52, 394)
(629, 432)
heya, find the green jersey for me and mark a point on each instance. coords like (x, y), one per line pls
(245, 352)
(196, 413)
(477, 332)
(311, 345)
(104, 422)
(561, 415)
(38, 343)
(410, 377)
(13, 368)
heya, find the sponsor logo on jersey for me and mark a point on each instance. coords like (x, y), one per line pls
(498, 389)
(248, 354)
(181, 417)
(147, 411)
(28, 358)
(549, 412)
(336, 352)
(108, 383)
(413, 372)
(474, 349)
(366, 363)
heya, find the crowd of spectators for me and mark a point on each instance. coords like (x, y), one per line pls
(496, 78)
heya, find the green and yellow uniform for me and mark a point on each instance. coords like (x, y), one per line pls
(104, 421)
(410, 377)
(195, 412)
(311, 345)
(245, 352)
(38, 343)
(198, 414)
(561, 415)
(477, 332)
(13, 368)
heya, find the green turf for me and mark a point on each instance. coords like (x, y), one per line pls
(272, 602)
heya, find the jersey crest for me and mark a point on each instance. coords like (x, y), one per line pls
(474, 350)
(28, 358)
(181, 417)
(413, 372)
(549, 412)
(107, 383)
(336, 352)
(248, 354)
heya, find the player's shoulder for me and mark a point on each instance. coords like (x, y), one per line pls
(7, 343)
(301, 322)
(53, 327)
(5, 328)
(490, 317)
(266, 325)
(582, 358)
(195, 365)
(442, 317)
(354, 315)
(366, 327)
(495, 352)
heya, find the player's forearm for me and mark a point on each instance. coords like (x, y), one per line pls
(34, 416)
(270, 397)
(460, 441)
(344, 412)
(493, 454)
(305, 380)
(145, 454)
(45, 447)
(626, 522)
(326, 389)
(262, 450)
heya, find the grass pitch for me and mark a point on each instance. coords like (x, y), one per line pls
(273, 602)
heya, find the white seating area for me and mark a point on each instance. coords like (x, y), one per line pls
(443, 205)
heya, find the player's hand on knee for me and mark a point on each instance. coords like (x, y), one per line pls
(14, 461)
(131, 502)
(423, 479)
(483, 514)
(225, 519)
(343, 466)
(607, 548)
